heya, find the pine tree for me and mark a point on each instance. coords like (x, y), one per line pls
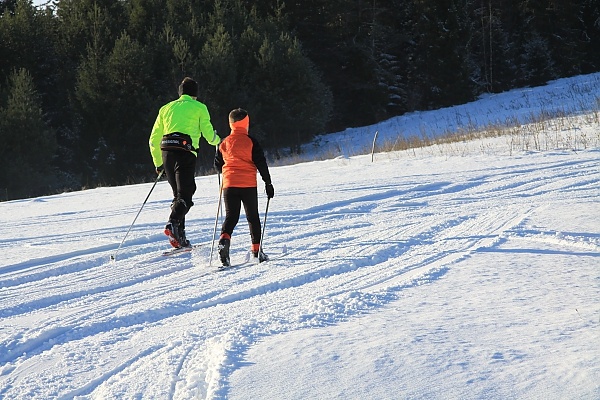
(92, 105)
(252, 61)
(130, 115)
(28, 145)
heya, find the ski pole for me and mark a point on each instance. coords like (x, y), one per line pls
(221, 204)
(212, 246)
(262, 235)
(218, 172)
(114, 256)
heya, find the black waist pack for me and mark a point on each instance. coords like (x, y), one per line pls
(176, 141)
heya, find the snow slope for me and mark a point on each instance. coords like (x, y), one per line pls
(423, 275)
(562, 98)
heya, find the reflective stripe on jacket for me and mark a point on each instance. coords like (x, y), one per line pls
(184, 115)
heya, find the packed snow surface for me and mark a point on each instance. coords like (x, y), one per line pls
(429, 274)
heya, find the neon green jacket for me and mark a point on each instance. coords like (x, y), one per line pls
(184, 115)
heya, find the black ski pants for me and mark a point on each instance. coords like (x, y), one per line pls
(233, 199)
(180, 168)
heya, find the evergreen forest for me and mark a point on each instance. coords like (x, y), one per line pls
(81, 81)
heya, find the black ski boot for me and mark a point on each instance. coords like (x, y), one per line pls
(224, 252)
(175, 231)
(181, 232)
(259, 256)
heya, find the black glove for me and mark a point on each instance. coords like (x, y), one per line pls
(269, 190)
(159, 169)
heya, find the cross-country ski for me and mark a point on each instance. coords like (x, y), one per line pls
(181, 250)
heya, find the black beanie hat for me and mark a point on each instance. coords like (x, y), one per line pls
(188, 86)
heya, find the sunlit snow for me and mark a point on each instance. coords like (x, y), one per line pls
(462, 271)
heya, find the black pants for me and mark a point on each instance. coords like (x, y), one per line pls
(233, 199)
(180, 168)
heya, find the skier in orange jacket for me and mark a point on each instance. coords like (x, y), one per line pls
(239, 157)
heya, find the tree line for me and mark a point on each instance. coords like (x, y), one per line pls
(81, 81)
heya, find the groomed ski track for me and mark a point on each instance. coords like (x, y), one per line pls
(171, 328)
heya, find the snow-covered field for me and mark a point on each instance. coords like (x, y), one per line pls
(421, 275)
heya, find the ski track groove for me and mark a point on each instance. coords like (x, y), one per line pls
(179, 368)
(95, 383)
(118, 297)
(67, 263)
(86, 289)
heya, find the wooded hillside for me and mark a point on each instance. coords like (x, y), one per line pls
(81, 81)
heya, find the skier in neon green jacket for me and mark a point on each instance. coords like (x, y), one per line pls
(174, 141)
